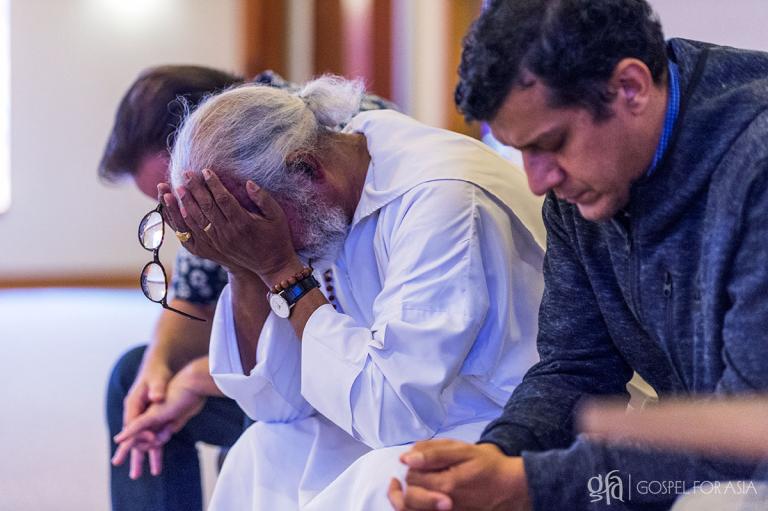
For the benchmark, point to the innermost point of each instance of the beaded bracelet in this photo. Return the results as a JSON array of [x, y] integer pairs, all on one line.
[[285, 284]]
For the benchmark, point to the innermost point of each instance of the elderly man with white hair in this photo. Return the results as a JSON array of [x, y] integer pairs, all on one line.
[[384, 286]]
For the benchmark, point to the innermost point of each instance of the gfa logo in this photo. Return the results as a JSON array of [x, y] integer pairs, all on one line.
[[609, 487]]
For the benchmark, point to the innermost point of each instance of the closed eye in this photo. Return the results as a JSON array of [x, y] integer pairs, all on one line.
[[548, 143]]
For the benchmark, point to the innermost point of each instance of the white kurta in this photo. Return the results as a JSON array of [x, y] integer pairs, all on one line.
[[439, 284]]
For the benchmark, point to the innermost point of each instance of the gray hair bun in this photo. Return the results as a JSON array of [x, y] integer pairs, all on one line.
[[334, 100]]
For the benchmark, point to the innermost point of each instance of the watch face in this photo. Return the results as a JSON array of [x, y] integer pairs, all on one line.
[[279, 305]]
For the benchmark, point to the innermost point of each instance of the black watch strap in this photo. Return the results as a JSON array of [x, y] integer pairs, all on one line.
[[294, 293]]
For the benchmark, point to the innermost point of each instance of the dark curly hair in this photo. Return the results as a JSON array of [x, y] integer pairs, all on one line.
[[151, 110], [572, 46]]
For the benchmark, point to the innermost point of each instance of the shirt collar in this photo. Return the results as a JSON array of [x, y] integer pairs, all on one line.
[[673, 107]]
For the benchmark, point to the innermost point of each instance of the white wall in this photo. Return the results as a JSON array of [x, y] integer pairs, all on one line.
[[739, 23], [418, 54], [73, 59], [301, 51], [71, 62], [5, 121]]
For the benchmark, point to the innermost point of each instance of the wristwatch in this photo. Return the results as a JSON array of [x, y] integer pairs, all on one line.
[[281, 303]]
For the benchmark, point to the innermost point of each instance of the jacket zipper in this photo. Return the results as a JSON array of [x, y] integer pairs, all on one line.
[[669, 328]]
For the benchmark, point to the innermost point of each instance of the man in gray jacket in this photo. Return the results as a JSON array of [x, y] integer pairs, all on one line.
[[654, 160]]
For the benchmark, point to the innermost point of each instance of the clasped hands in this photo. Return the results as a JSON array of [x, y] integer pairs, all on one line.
[[453, 475], [157, 406], [246, 236]]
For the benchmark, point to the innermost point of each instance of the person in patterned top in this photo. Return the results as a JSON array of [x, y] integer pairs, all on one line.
[[168, 380]]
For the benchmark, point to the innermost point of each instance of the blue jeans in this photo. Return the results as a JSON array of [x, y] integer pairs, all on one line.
[[179, 486]]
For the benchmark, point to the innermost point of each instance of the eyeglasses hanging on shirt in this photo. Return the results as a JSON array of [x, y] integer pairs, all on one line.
[[154, 282]]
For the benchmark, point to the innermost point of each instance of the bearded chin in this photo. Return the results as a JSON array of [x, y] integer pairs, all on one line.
[[326, 231]]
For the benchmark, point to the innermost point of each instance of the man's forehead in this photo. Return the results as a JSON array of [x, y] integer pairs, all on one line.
[[525, 115]]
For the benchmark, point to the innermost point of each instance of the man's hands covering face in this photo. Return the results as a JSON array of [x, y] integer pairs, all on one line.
[[448, 474], [224, 231]]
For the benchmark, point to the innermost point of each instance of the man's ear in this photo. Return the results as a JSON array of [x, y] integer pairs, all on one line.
[[633, 83], [164, 156], [307, 164]]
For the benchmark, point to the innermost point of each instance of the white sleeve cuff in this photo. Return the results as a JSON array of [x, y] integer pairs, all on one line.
[[270, 392]]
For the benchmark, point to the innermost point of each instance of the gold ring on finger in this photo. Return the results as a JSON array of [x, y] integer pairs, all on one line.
[[183, 236]]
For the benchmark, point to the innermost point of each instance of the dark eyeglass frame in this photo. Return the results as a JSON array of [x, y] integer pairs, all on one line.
[[156, 260]]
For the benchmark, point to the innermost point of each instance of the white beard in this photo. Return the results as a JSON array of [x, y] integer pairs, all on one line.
[[325, 226], [326, 231]]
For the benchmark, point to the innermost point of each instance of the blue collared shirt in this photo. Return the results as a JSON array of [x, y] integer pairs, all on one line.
[[673, 107]]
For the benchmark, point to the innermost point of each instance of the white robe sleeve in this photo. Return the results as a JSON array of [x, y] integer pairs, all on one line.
[[383, 383], [270, 392]]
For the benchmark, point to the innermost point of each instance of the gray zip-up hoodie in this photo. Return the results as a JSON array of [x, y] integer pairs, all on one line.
[[674, 287]]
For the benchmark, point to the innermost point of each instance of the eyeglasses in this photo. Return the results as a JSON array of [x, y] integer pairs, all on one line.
[[154, 282]]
